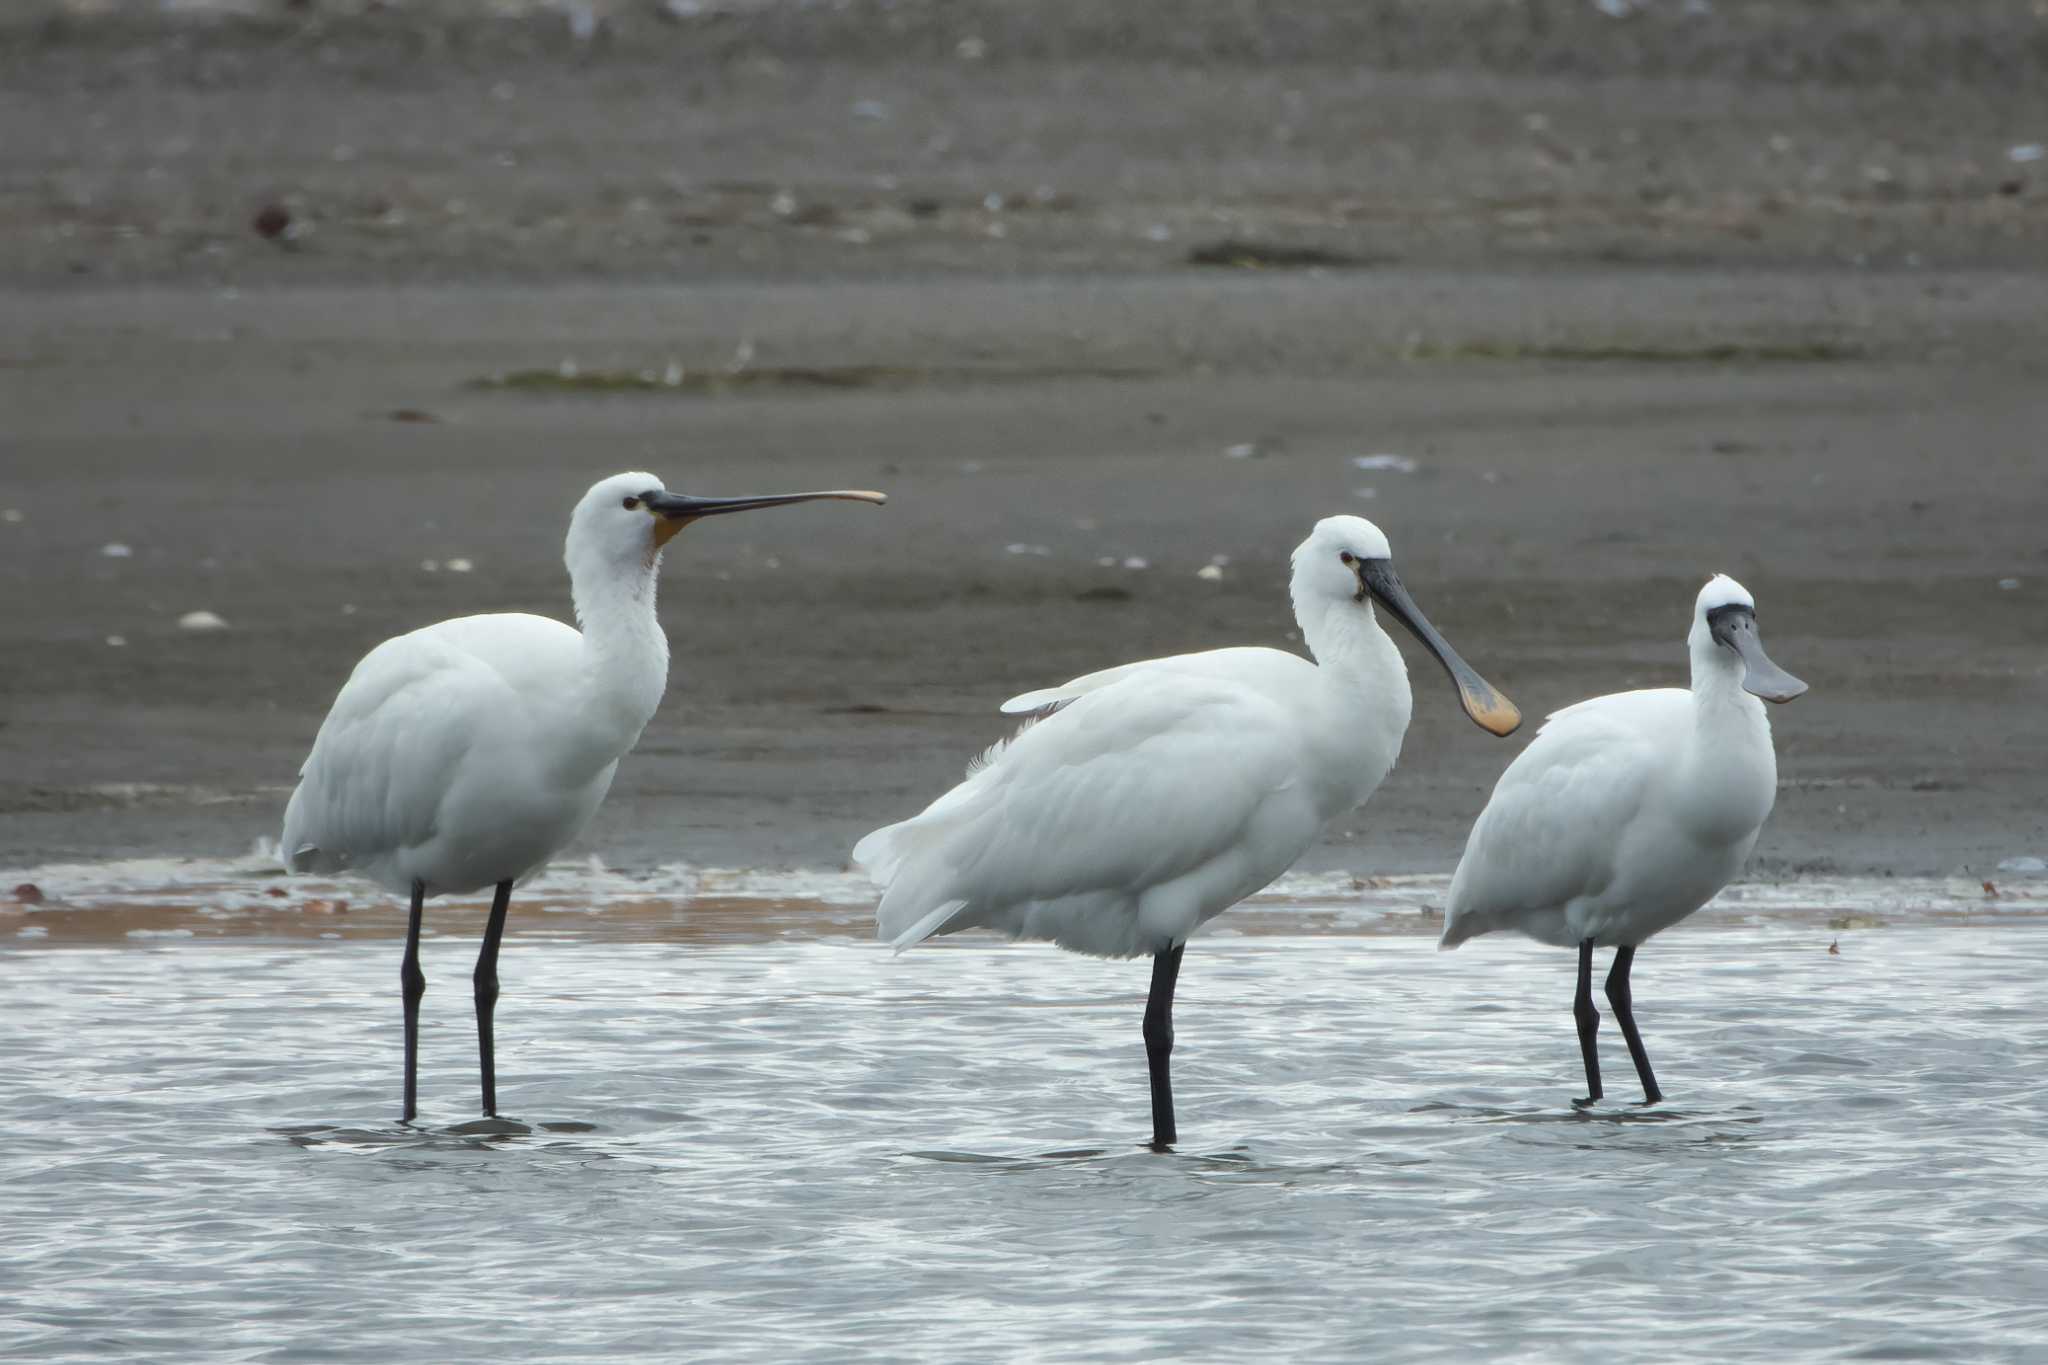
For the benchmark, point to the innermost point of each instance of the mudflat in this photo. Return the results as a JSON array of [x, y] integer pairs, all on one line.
[[1580, 309]]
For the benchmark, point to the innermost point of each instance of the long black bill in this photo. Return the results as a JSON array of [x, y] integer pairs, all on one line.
[[1490, 710], [683, 507], [678, 510], [1735, 627]]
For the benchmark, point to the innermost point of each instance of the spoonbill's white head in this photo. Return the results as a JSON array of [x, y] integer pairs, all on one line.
[[1722, 591], [613, 523], [1326, 564], [1349, 558], [1724, 635], [624, 521]]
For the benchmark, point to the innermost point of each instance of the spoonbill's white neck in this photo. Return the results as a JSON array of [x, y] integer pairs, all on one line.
[[1355, 656], [625, 652], [1344, 635]]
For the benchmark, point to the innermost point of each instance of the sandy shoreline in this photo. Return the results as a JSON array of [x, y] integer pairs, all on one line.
[[424, 142], [834, 668], [1626, 337]]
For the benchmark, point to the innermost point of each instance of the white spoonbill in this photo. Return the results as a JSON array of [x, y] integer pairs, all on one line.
[[1148, 799], [1628, 813], [467, 753]]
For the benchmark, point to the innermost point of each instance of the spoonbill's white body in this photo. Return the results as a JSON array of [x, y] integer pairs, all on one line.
[[1150, 798], [469, 752], [466, 754], [1629, 812]]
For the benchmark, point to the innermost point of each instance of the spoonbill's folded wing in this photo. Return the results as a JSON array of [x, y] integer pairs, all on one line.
[[1558, 817], [389, 751], [1226, 664], [1109, 825]]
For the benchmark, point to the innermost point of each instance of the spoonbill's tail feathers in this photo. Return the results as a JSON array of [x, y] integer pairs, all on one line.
[[926, 927], [911, 883], [297, 847], [315, 859], [909, 858], [909, 861], [1461, 927]]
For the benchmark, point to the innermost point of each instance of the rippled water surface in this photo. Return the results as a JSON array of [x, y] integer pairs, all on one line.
[[798, 1148]]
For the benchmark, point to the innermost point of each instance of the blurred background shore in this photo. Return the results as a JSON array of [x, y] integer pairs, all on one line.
[[315, 319], [689, 139]]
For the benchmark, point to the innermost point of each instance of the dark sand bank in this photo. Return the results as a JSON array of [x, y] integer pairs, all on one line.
[[1632, 295], [424, 142]]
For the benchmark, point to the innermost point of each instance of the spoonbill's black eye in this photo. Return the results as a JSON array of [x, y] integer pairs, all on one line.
[[630, 503], [1346, 557]]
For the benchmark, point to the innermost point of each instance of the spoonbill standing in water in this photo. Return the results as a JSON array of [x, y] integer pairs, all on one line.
[[1628, 813], [1147, 799], [466, 754]]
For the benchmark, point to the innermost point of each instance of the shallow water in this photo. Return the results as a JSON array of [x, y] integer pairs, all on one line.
[[802, 1147]]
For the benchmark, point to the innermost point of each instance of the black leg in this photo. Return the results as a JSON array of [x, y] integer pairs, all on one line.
[[1589, 1022], [1625, 1014], [413, 983], [1159, 1042], [487, 995]]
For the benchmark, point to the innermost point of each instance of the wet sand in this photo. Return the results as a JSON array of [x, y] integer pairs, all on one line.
[[1618, 365], [675, 906]]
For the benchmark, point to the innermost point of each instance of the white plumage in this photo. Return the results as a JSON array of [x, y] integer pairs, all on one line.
[[1129, 816], [1151, 797], [1629, 812], [467, 754]]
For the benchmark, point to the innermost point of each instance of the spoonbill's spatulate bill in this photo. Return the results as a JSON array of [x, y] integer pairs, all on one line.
[[466, 754], [1629, 812], [1152, 797]]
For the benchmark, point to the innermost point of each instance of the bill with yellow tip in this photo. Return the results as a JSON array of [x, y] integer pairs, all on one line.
[[1488, 707]]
